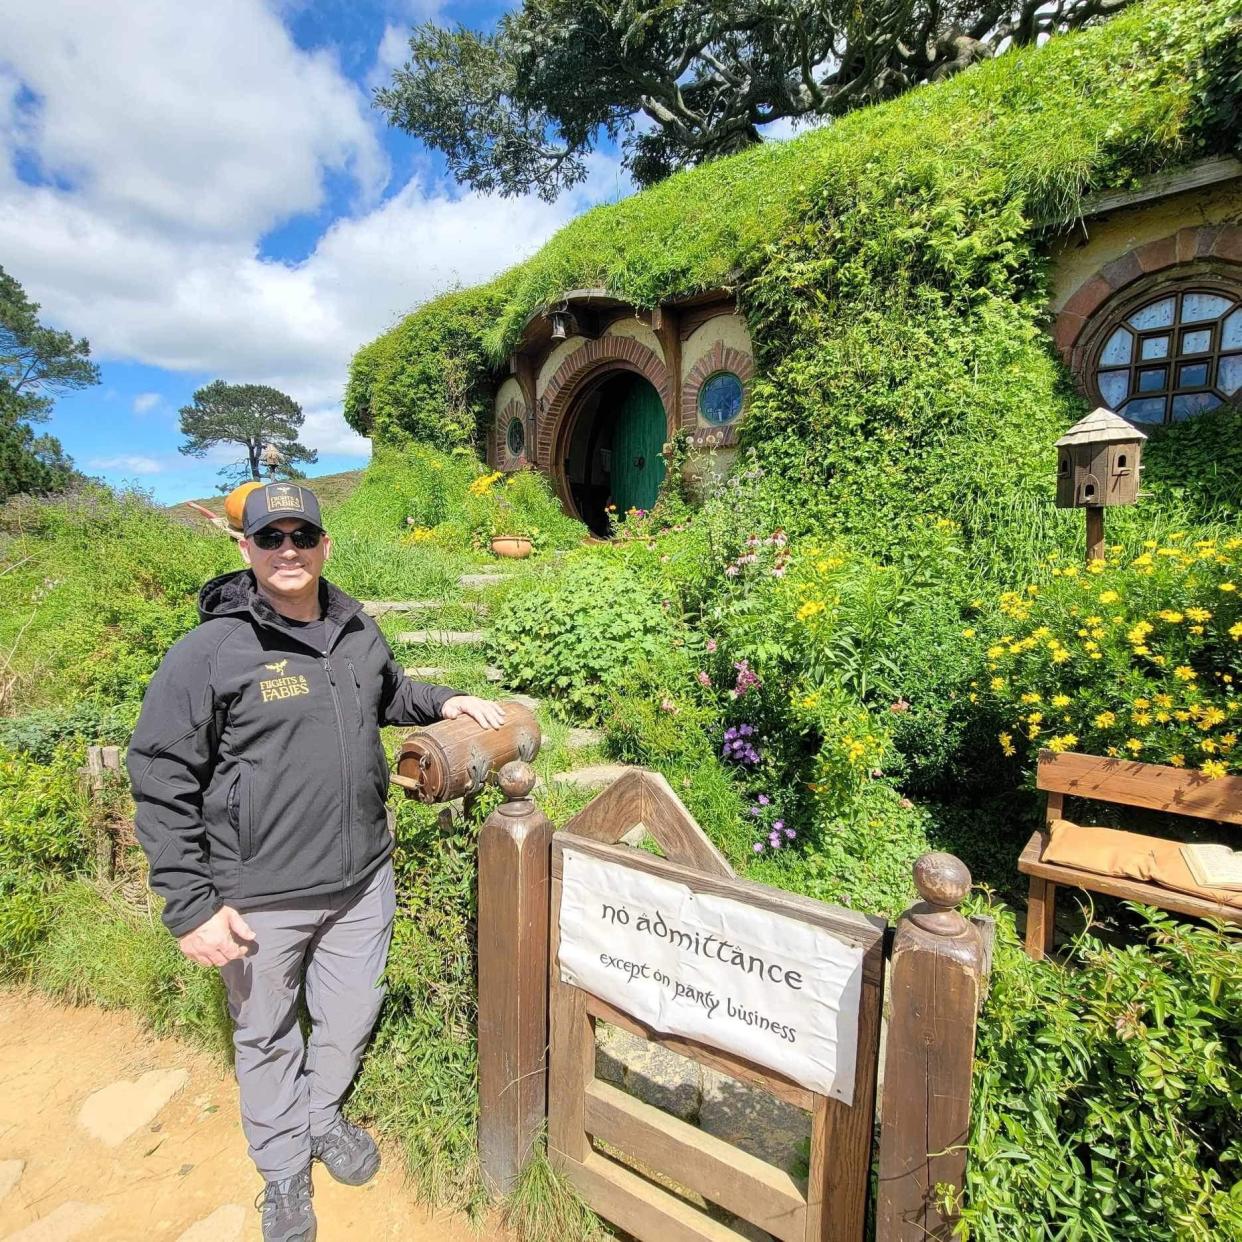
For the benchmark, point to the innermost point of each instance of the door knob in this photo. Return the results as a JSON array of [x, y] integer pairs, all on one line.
[[640, 462]]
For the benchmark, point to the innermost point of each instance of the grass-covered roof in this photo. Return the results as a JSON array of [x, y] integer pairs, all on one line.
[[888, 265]]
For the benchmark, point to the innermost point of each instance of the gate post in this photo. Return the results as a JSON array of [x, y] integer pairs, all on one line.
[[937, 978], [515, 851]]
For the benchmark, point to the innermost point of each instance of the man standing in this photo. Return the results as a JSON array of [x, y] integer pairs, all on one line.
[[261, 782]]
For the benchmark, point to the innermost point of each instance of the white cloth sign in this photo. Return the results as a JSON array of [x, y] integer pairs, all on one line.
[[773, 989]]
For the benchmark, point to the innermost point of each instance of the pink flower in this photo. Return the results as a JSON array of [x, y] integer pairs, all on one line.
[[711, 646], [667, 705], [905, 804], [899, 706], [731, 571], [779, 571], [704, 679]]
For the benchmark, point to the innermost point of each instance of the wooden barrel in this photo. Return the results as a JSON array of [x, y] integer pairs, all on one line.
[[452, 758]]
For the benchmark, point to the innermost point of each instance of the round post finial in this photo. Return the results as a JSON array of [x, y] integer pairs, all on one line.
[[942, 880], [516, 779]]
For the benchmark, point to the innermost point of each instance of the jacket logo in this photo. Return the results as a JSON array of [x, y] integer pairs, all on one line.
[[283, 687], [278, 667]]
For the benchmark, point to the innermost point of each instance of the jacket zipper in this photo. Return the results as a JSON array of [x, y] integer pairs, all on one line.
[[357, 687], [347, 804]]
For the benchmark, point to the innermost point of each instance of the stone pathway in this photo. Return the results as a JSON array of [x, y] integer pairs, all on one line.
[[108, 1134], [446, 638]]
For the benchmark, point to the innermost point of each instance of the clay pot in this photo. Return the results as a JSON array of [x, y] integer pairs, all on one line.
[[516, 546]]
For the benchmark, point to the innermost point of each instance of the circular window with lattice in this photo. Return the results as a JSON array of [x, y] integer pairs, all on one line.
[[515, 437], [1175, 355]]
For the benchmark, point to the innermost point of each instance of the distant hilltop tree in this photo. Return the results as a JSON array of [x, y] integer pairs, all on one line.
[[252, 416], [37, 364], [680, 83]]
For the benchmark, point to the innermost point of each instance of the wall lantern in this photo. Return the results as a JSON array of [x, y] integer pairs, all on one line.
[[1098, 466], [563, 324]]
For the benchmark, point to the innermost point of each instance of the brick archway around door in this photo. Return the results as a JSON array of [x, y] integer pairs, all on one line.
[[1221, 243], [580, 369]]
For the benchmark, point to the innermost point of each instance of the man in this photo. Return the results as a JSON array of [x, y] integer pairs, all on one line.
[[260, 782]]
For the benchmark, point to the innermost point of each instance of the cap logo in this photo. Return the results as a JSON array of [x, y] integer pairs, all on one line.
[[284, 496]]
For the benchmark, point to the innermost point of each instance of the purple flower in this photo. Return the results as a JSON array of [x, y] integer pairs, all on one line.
[[754, 810], [777, 825], [763, 799], [758, 847], [789, 832]]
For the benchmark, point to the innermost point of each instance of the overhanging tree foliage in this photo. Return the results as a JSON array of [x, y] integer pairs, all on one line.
[[36, 364], [680, 83], [251, 415]]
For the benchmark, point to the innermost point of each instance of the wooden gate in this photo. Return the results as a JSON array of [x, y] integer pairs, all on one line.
[[582, 1108], [537, 1040]]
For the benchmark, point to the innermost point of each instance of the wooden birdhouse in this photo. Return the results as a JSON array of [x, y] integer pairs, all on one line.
[[1098, 462]]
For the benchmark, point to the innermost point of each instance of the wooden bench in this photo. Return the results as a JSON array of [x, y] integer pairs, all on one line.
[[1125, 783]]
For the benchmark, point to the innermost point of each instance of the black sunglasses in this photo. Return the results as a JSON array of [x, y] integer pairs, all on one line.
[[304, 537]]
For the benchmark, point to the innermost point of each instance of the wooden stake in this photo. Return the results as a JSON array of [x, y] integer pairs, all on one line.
[[937, 975], [515, 854]]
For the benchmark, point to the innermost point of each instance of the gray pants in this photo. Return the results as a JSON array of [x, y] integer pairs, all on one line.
[[291, 1088]]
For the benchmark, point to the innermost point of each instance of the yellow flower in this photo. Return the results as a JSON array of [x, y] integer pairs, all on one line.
[[1196, 629], [1213, 768], [1163, 700], [1112, 752], [1105, 720], [1061, 700], [998, 683], [1163, 717], [1134, 745], [1178, 761], [1142, 718], [995, 652], [1109, 597], [1035, 717], [1169, 615], [1095, 567], [1183, 672], [1207, 746], [1064, 741], [1006, 741], [1030, 698], [1060, 655], [1235, 632], [810, 608], [1198, 614], [968, 633], [1228, 586]]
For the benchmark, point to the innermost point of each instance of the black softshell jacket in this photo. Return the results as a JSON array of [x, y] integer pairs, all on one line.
[[257, 765]]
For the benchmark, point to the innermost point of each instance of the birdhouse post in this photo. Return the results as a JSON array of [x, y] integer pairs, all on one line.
[[1098, 466]]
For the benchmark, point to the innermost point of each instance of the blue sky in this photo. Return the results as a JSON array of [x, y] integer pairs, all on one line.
[[204, 191]]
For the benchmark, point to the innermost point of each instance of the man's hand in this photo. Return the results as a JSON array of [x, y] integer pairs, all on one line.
[[482, 711], [225, 937]]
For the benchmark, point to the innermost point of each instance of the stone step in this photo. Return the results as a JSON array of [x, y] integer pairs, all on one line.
[[445, 638], [474, 582], [425, 672], [593, 776], [580, 738], [379, 607], [527, 701], [493, 674]]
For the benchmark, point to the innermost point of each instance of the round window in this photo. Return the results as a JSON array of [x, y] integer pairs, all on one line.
[[1173, 357], [515, 437], [720, 398]]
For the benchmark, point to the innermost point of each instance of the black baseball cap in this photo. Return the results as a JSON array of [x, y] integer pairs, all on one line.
[[274, 501]]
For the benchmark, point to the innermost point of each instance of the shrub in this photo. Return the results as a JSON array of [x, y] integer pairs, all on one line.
[[577, 636], [1136, 656], [1107, 1091]]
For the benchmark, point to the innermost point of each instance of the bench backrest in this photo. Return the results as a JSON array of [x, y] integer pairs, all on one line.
[[1129, 783]]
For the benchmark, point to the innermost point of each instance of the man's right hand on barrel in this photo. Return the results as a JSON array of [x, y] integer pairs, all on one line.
[[225, 937]]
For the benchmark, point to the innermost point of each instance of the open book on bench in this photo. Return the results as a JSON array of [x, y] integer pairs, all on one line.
[[1214, 866]]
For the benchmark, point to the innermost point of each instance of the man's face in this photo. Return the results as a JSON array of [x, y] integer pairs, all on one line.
[[288, 570]]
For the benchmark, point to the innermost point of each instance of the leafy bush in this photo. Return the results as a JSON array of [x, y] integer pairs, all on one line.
[[1107, 1091], [1138, 655], [39, 733], [578, 635]]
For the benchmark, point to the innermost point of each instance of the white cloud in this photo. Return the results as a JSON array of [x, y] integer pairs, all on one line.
[[175, 138], [145, 402], [194, 118], [128, 463]]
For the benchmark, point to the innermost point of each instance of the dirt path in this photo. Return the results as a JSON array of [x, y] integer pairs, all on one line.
[[108, 1134]]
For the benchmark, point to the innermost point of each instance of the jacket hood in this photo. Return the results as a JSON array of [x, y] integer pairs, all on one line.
[[237, 594]]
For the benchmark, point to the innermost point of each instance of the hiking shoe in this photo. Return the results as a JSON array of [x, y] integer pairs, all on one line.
[[286, 1207], [349, 1154]]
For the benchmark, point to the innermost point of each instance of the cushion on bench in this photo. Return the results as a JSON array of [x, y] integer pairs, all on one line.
[[1129, 855]]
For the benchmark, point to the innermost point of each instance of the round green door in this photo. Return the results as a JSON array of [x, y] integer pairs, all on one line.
[[637, 463]]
